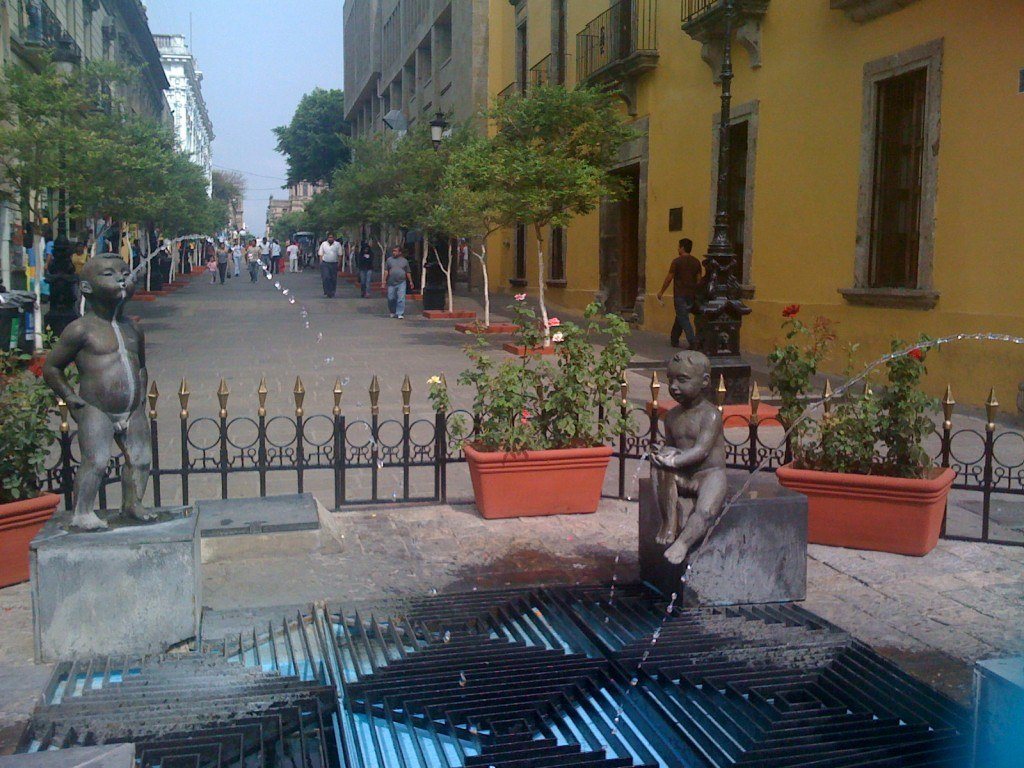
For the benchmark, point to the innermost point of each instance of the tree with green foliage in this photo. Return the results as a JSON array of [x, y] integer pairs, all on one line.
[[466, 200], [313, 143], [553, 150], [229, 187], [288, 224]]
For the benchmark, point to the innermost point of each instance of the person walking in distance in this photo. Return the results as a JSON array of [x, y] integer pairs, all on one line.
[[265, 253], [398, 278], [236, 257], [222, 261], [329, 253], [275, 257], [293, 256], [364, 263], [684, 276], [252, 260]]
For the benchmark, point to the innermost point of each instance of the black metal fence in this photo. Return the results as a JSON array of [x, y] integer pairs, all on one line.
[[363, 455]]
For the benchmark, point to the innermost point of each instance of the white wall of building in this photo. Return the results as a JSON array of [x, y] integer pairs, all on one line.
[[192, 124]]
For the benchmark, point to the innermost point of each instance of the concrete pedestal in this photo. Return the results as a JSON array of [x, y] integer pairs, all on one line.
[[756, 554], [107, 756], [999, 713], [131, 590], [253, 528]]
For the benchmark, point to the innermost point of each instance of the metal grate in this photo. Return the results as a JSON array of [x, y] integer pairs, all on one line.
[[519, 678], [193, 710]]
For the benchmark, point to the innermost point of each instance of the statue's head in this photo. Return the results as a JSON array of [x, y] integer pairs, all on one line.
[[105, 279], [689, 373]]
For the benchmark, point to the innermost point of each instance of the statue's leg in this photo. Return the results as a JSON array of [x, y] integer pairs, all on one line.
[[95, 439], [710, 498], [667, 495], [138, 458]]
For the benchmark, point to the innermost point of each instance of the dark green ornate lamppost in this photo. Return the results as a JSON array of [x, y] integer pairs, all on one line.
[[721, 309]]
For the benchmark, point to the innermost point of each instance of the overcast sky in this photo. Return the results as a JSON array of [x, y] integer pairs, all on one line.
[[258, 58]]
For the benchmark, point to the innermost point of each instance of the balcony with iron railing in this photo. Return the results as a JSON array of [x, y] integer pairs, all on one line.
[[512, 89], [37, 29], [619, 44], [704, 21]]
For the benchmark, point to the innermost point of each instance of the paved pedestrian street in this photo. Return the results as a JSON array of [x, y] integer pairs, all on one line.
[[934, 616]]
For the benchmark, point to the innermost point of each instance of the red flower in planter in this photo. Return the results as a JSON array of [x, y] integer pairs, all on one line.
[[525, 417], [791, 311], [554, 322], [916, 353], [36, 366]]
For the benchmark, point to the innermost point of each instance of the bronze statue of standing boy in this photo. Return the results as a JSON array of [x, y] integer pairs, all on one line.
[[110, 354]]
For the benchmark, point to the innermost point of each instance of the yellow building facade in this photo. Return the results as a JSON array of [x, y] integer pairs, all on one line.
[[878, 173]]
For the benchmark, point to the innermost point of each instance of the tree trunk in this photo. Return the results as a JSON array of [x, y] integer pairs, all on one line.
[[423, 261], [540, 285], [482, 258], [448, 278], [37, 276]]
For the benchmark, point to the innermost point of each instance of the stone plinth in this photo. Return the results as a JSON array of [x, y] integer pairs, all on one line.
[[107, 756], [999, 712], [131, 590], [756, 554], [253, 528]]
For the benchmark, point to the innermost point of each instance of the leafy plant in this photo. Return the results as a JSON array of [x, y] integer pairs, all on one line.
[[867, 433], [26, 426], [525, 403]]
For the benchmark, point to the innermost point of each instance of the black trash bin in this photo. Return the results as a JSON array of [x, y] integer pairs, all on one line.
[[16, 310]]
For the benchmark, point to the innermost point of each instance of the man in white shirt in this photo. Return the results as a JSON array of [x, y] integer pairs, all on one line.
[[329, 253], [236, 256], [275, 257], [293, 256], [265, 252]]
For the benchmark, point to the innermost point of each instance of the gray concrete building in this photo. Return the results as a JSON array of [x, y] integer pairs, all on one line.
[[406, 60]]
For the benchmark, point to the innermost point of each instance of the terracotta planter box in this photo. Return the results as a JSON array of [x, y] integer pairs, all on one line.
[[884, 514], [414, 297], [457, 314], [20, 521], [480, 328], [535, 483], [520, 351]]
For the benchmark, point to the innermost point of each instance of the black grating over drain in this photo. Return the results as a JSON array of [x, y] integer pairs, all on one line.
[[516, 678], [582, 676], [199, 711]]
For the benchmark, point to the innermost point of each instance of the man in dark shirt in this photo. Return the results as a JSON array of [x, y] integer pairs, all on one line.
[[684, 276]]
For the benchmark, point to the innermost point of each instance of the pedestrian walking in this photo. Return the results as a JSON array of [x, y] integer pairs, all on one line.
[[211, 268], [293, 256], [329, 253], [222, 261], [252, 260], [275, 257], [236, 257], [265, 253], [684, 276], [364, 263], [398, 279]]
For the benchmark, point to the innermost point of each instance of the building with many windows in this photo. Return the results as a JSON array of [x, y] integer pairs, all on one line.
[[875, 174], [192, 125], [299, 196]]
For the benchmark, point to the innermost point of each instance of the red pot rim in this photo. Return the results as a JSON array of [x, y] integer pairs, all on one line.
[[34, 504], [495, 457], [938, 479]]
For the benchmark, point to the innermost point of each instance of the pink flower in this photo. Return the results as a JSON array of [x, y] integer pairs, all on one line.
[[520, 297], [525, 417], [916, 354], [554, 322]]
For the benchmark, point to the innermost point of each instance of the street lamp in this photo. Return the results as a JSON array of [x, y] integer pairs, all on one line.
[[437, 128], [721, 308]]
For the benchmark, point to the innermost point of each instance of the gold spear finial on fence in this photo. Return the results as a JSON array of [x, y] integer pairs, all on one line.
[[63, 408], [655, 389], [153, 395], [755, 402], [406, 395], [720, 393], [222, 396], [624, 390], [991, 409], [338, 392], [183, 394], [827, 395], [374, 396], [300, 396], [947, 408], [261, 396]]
